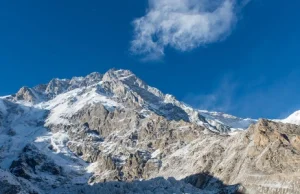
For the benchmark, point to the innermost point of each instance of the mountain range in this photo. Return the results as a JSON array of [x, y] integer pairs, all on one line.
[[113, 133]]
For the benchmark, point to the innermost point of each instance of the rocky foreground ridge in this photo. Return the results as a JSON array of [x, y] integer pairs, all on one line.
[[112, 133]]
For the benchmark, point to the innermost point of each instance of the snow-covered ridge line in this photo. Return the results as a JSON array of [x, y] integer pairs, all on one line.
[[120, 84], [45, 92]]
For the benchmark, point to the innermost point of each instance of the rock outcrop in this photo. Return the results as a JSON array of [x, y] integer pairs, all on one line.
[[10, 184], [263, 159]]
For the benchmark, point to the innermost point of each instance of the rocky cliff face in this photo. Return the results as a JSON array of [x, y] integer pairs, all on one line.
[[264, 159], [112, 130]]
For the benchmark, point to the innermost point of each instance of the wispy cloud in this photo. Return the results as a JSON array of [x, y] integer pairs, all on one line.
[[183, 25], [258, 97], [220, 98]]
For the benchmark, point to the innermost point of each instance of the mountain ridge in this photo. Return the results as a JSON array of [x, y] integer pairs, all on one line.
[[45, 92], [114, 127]]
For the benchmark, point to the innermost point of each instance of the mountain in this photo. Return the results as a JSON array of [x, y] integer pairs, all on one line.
[[293, 118], [113, 133], [124, 88]]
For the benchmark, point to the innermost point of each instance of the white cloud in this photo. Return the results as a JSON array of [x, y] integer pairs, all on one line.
[[182, 24]]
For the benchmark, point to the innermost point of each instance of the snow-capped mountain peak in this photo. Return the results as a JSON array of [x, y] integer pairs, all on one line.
[[115, 127], [293, 118], [124, 87]]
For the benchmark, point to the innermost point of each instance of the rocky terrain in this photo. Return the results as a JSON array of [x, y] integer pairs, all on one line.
[[112, 133]]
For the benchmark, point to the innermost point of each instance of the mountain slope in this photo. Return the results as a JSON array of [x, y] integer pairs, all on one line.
[[114, 127]]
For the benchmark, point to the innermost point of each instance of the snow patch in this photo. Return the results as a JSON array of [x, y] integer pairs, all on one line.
[[3, 108], [293, 118], [67, 104], [155, 153]]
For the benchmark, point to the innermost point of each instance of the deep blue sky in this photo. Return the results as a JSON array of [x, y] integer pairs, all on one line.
[[253, 73]]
